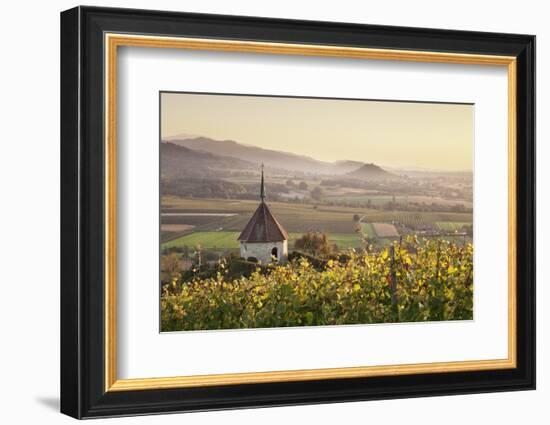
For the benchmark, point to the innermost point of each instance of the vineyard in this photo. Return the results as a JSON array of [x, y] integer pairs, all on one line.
[[411, 281]]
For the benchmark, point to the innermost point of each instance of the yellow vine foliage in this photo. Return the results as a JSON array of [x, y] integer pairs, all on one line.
[[432, 281]]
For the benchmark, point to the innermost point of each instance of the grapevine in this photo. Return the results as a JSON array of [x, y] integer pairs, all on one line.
[[434, 282]]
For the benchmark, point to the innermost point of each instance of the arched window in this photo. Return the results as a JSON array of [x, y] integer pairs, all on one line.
[[274, 253]]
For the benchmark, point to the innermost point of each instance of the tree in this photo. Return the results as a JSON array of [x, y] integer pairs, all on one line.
[[317, 193], [302, 186], [314, 243], [170, 267], [290, 183]]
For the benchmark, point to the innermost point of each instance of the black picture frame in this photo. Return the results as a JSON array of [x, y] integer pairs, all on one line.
[[83, 392]]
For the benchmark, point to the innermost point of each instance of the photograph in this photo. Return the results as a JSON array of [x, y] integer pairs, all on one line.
[[279, 211]]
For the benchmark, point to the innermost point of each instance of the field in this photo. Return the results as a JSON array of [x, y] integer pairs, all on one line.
[[385, 230], [295, 217], [218, 222], [228, 240], [176, 227], [380, 199]]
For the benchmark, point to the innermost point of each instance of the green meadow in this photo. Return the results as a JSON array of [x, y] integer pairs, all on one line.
[[228, 240]]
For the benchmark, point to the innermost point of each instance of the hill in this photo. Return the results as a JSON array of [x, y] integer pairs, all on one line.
[[178, 161], [346, 166], [371, 172]]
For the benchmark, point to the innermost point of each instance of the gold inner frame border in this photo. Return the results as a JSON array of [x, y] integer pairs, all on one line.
[[113, 40]]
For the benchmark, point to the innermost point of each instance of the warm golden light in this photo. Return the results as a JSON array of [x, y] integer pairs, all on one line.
[[395, 134]]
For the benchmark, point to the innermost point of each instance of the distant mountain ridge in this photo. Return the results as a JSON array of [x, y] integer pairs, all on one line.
[[180, 136], [270, 158], [178, 161], [254, 156]]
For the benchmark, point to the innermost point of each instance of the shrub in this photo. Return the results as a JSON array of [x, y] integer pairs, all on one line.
[[313, 243]]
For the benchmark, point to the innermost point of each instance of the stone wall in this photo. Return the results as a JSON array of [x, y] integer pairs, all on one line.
[[262, 251]]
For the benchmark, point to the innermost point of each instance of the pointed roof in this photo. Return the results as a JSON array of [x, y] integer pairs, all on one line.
[[263, 226]]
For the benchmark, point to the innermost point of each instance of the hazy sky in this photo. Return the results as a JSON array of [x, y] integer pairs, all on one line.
[[395, 134]]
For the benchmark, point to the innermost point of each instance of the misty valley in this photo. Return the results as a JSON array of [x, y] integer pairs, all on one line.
[[213, 186]]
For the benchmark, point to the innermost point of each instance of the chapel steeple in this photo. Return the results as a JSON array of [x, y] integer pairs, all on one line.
[[262, 186]]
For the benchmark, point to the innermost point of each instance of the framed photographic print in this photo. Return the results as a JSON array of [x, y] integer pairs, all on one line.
[[261, 212]]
